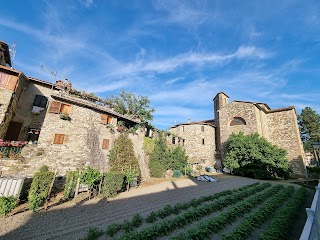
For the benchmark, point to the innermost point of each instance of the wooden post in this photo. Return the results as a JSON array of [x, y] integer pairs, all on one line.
[[49, 192], [78, 185], [100, 184]]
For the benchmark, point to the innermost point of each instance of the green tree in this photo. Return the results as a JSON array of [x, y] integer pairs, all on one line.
[[129, 104], [122, 156], [253, 156], [162, 157], [309, 124]]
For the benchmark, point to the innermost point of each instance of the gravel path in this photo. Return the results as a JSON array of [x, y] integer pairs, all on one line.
[[71, 221]]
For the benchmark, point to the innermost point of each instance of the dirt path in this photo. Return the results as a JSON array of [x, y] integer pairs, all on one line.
[[71, 221]]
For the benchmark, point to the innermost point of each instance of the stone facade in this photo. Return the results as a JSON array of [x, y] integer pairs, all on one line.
[[279, 126], [83, 139], [198, 140]]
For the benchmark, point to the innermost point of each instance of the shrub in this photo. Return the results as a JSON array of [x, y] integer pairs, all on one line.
[[112, 183], [122, 156], [71, 182], [7, 204], [253, 156], [156, 168], [39, 189], [177, 173], [90, 177], [44, 168]]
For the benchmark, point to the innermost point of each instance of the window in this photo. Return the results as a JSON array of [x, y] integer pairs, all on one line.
[[173, 140], [106, 119], [58, 138], [59, 107], [183, 142], [105, 144], [182, 128], [237, 121], [40, 101], [202, 141], [202, 128], [4, 78]]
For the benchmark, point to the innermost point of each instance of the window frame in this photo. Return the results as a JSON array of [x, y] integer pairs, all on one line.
[[42, 102], [105, 144], [59, 106], [59, 138]]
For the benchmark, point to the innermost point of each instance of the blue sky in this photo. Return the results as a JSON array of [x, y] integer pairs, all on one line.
[[178, 53]]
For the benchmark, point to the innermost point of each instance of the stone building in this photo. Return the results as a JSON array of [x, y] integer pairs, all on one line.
[[279, 126], [65, 129]]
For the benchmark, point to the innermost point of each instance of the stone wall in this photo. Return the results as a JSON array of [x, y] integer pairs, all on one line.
[[197, 150], [242, 110], [284, 132], [6, 111], [82, 144], [24, 114]]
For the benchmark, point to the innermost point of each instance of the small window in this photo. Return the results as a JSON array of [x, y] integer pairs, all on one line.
[[105, 144], [202, 128], [183, 141], [173, 140], [58, 138], [106, 119], [40, 101], [59, 107], [202, 141], [4, 78], [237, 121], [182, 128]]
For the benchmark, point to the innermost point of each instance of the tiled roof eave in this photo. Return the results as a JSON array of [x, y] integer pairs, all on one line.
[[93, 106]]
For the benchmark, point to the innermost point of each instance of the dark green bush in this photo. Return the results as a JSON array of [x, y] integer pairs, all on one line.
[[177, 173], [7, 204], [156, 168], [313, 169], [71, 182], [39, 189], [44, 168], [112, 184]]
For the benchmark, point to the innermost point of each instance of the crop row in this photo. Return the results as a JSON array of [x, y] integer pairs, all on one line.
[[281, 223], [176, 209], [137, 220], [165, 227], [216, 224], [258, 217]]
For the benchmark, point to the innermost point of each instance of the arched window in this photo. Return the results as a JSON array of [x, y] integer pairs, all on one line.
[[237, 121]]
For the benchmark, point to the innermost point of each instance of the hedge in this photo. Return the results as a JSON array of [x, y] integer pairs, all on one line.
[[7, 204], [39, 189], [112, 183]]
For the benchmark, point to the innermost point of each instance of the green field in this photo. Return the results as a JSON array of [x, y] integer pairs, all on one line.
[[256, 211]]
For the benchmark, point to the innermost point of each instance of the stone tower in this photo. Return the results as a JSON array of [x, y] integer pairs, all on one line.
[[219, 102]]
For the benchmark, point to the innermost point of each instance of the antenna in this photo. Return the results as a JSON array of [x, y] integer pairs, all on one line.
[[53, 73], [12, 50]]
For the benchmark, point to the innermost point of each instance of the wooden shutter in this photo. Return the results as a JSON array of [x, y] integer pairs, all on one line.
[[109, 120], [105, 144], [104, 118], [65, 108], [58, 138], [55, 107], [12, 83], [4, 79]]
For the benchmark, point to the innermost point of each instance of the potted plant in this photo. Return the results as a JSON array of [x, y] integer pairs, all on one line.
[[65, 116]]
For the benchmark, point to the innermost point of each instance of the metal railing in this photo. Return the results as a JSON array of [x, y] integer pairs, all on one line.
[[311, 230]]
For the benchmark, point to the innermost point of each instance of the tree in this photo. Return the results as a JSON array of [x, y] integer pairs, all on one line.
[[253, 156], [309, 124], [122, 156], [129, 104], [162, 157]]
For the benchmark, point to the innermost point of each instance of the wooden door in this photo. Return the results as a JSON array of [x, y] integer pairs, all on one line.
[[13, 131]]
